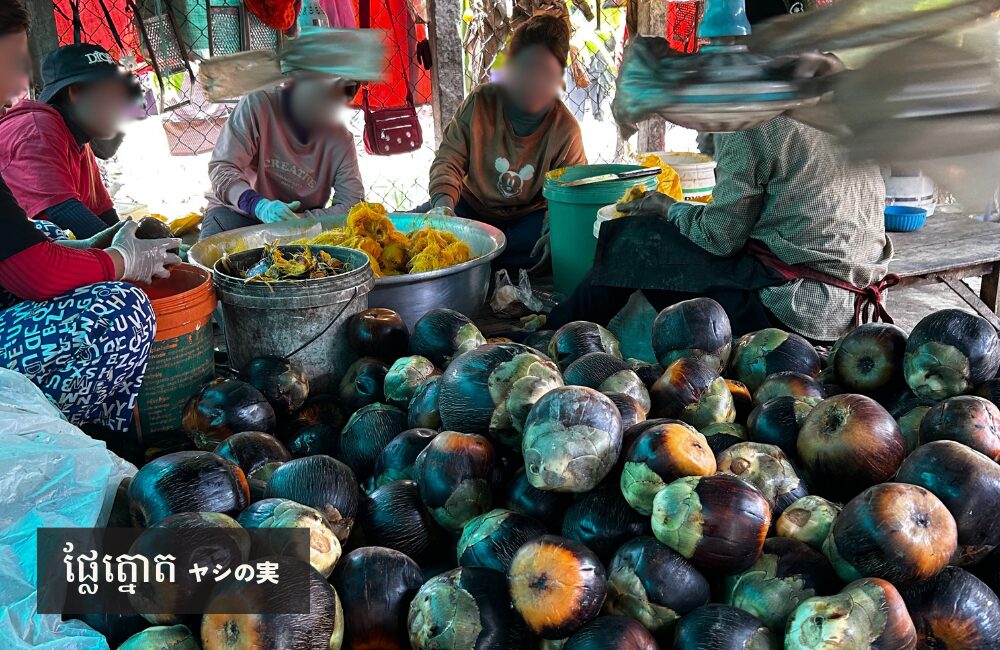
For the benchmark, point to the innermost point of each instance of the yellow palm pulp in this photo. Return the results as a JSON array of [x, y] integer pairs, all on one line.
[[391, 252], [667, 181], [180, 225]]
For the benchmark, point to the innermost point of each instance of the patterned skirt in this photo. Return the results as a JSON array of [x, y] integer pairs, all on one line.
[[86, 349]]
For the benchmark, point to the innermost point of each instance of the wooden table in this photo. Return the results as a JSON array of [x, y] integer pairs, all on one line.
[[950, 249]]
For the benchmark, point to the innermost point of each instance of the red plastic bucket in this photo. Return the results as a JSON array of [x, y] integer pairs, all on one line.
[[182, 356]]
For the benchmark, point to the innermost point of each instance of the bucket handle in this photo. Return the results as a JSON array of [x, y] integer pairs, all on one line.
[[321, 332]]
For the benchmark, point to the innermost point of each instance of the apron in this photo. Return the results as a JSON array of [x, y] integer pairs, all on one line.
[[651, 254], [869, 302]]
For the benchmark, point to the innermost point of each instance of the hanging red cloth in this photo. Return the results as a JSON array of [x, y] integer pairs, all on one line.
[[402, 68], [869, 302], [279, 15], [94, 26]]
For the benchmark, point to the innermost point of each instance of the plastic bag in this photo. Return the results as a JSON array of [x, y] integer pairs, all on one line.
[[515, 300], [53, 475], [633, 326]]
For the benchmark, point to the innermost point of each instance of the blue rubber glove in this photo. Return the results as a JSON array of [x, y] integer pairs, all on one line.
[[270, 211]]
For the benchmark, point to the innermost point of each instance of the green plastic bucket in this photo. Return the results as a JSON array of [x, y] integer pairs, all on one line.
[[572, 211]]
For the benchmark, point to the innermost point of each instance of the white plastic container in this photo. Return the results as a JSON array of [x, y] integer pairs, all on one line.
[[908, 187], [607, 213], [696, 172]]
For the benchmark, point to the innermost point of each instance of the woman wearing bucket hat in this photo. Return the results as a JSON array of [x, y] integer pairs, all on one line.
[[67, 322], [281, 155], [45, 151], [794, 237], [507, 136]]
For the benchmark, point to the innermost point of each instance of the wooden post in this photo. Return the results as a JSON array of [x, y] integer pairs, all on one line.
[[447, 76], [42, 37], [652, 22], [990, 288]]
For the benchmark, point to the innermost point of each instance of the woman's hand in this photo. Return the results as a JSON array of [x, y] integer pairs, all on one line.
[[442, 211], [444, 201], [653, 204], [104, 238], [143, 259], [270, 211]]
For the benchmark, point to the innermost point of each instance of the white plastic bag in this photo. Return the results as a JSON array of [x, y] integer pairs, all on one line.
[[51, 475], [515, 300]]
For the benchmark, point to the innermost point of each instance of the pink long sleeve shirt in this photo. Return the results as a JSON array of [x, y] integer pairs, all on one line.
[[257, 150]]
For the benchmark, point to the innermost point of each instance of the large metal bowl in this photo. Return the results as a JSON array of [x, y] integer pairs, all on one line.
[[462, 287]]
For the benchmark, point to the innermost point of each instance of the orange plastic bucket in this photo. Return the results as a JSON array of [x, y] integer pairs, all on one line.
[[182, 356]]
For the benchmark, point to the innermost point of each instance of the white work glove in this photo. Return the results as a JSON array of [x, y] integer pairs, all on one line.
[[270, 211], [104, 238], [654, 204], [144, 259]]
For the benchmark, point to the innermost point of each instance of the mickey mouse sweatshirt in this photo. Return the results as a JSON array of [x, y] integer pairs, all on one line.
[[499, 173]]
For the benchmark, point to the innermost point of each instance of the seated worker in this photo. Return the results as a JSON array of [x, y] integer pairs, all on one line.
[[280, 154], [67, 321], [45, 153], [507, 136], [794, 236]]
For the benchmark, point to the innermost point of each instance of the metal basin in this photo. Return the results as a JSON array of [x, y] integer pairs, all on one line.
[[462, 287]]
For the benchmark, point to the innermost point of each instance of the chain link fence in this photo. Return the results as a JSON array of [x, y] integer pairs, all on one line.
[[163, 160]]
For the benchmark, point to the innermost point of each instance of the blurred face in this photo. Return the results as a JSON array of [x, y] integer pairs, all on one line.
[[533, 79], [101, 107], [318, 102], [15, 67]]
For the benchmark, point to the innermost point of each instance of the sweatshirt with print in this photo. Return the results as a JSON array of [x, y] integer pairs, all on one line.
[[257, 150], [499, 173]]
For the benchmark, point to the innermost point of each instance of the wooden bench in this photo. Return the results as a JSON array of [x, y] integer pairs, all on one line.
[[950, 249]]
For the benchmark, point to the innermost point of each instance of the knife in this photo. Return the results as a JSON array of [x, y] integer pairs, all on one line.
[[620, 176]]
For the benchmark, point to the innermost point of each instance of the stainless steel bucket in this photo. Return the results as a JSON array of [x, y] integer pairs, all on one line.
[[462, 287]]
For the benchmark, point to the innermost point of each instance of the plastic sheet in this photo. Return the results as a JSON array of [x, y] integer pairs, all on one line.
[[863, 23], [932, 104], [53, 475], [633, 326]]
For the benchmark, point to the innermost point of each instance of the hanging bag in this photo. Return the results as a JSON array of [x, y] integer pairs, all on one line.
[[389, 131]]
